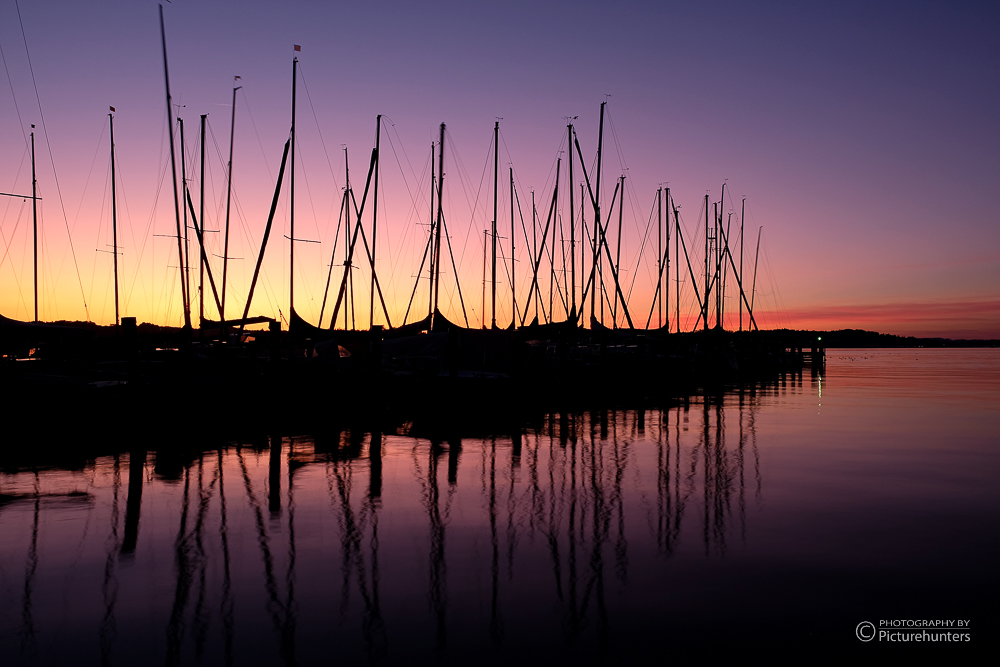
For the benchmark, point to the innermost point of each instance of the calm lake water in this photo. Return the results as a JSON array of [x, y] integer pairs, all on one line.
[[776, 520]]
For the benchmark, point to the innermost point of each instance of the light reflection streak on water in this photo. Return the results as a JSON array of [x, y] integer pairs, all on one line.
[[562, 492]]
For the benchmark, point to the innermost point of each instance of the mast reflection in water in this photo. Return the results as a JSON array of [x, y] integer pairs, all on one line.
[[587, 536]]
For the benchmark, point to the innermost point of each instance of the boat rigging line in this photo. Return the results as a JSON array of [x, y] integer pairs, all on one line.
[[52, 162]]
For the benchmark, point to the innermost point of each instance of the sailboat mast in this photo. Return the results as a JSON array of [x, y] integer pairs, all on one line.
[[572, 213], [482, 316], [534, 250], [753, 288], [496, 175], [201, 216], [732, 265], [114, 218], [720, 286], [726, 255], [677, 260], [715, 271], [552, 273], [583, 246], [618, 253], [187, 243], [440, 221], [333, 258], [666, 259], [557, 219], [659, 256], [430, 241], [513, 290], [173, 175], [371, 304], [347, 237], [229, 198], [564, 297], [34, 221], [743, 212], [597, 216], [291, 201], [704, 308], [350, 260]]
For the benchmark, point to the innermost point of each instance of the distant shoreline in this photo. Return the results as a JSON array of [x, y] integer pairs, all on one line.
[[855, 338], [848, 338]]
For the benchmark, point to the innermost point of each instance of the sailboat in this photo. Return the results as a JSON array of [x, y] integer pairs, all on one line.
[[17, 338], [299, 328]]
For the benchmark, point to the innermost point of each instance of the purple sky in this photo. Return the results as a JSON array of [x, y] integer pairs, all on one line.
[[864, 138]]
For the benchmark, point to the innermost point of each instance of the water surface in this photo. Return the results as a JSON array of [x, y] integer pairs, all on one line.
[[771, 518]]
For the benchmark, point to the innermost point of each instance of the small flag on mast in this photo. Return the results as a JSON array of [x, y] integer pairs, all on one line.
[[112, 109], [298, 48], [237, 78]]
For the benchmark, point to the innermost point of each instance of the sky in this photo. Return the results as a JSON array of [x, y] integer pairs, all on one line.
[[862, 136]]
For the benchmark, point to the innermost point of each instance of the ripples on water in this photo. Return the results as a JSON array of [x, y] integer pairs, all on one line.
[[779, 517]]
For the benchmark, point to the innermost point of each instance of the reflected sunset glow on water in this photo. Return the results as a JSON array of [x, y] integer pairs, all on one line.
[[817, 502]]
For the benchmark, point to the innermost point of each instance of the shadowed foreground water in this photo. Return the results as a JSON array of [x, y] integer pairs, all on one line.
[[775, 519]]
